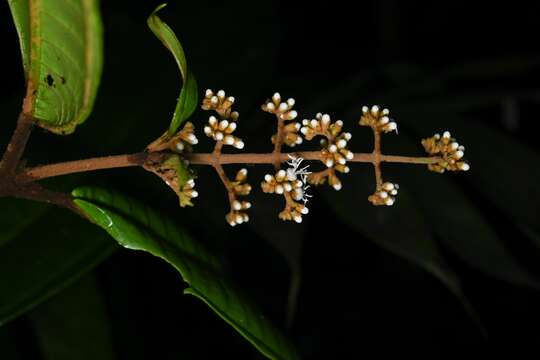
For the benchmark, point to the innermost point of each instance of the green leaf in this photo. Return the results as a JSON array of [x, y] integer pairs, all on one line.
[[50, 254], [73, 324], [188, 100], [400, 229], [62, 51], [138, 227]]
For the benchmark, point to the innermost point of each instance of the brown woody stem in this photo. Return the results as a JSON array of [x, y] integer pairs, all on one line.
[[279, 142], [77, 166], [17, 144], [377, 157], [212, 159]]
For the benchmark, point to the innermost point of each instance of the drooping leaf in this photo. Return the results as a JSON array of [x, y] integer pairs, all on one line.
[[400, 229], [61, 45], [458, 223], [138, 227], [45, 258], [188, 100], [497, 161], [73, 324]]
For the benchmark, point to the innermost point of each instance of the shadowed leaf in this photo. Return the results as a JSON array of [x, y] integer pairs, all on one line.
[[73, 324], [46, 258], [400, 229]]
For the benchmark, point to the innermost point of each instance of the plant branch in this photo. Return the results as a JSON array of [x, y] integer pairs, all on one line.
[[377, 156], [138, 159], [17, 144], [279, 142], [268, 158], [78, 166]]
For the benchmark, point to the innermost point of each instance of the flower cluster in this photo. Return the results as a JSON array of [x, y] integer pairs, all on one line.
[[188, 192], [239, 187], [377, 119], [334, 152], [223, 128], [185, 138], [293, 188], [449, 151], [385, 195], [284, 111], [180, 142]]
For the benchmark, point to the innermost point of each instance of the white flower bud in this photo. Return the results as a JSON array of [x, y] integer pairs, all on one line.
[[239, 144], [223, 124], [221, 94], [276, 97], [326, 119], [291, 115], [228, 140]]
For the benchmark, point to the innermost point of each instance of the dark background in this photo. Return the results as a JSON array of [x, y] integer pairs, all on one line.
[[469, 60]]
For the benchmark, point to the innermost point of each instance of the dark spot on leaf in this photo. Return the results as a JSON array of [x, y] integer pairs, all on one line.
[[50, 80], [62, 79]]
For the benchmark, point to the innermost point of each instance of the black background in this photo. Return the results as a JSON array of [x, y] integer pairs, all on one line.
[[356, 298]]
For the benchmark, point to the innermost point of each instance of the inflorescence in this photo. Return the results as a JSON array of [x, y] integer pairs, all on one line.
[[293, 181]]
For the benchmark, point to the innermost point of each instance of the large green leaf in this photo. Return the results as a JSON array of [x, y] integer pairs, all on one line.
[[188, 100], [400, 229], [46, 257], [61, 45], [73, 324], [136, 226]]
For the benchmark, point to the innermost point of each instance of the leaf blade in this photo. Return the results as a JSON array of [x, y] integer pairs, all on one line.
[[62, 50], [188, 99], [138, 227], [61, 260]]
